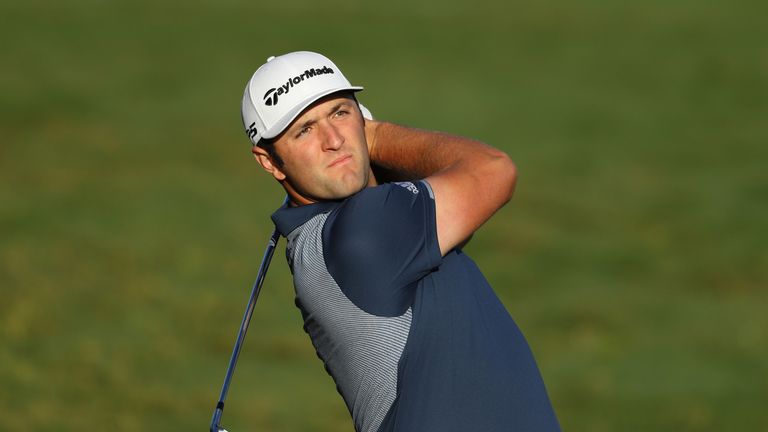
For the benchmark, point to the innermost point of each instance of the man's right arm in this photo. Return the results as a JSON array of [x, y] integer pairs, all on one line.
[[470, 180]]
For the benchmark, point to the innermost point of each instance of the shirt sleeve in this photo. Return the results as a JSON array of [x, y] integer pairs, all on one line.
[[380, 242]]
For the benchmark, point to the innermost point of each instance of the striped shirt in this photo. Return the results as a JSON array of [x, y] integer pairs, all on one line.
[[414, 341]]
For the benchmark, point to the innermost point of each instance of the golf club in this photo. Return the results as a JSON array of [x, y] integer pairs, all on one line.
[[215, 426]]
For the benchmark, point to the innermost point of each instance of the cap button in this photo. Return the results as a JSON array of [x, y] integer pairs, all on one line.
[[270, 59]]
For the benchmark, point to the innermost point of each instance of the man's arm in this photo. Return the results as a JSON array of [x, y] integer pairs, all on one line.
[[470, 180]]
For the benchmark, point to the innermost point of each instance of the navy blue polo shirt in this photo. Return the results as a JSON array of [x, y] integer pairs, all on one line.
[[414, 341]]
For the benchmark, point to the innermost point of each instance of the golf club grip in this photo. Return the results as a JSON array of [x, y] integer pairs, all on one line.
[[265, 261], [217, 418]]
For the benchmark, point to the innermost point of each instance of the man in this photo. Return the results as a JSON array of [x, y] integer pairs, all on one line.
[[405, 323]]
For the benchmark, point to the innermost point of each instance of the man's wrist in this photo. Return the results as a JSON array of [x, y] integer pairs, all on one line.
[[371, 128]]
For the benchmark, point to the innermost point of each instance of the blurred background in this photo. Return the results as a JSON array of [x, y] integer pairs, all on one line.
[[133, 218]]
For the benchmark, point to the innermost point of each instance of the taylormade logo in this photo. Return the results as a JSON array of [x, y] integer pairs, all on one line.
[[272, 95], [251, 131]]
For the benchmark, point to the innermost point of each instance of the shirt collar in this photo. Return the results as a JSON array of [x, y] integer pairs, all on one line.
[[287, 218]]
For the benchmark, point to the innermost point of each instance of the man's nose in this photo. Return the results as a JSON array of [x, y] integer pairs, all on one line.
[[332, 138]]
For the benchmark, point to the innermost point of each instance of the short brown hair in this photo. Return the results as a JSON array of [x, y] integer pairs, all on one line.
[[269, 146]]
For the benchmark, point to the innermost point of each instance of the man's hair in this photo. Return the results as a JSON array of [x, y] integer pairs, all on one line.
[[269, 146]]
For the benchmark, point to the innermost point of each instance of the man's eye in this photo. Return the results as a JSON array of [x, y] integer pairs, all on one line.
[[302, 131], [341, 113]]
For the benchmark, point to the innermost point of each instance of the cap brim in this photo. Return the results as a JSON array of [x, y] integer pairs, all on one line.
[[291, 115]]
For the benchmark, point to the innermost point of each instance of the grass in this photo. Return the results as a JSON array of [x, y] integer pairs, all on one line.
[[133, 218]]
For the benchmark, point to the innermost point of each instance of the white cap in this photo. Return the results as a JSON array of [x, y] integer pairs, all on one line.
[[283, 87]]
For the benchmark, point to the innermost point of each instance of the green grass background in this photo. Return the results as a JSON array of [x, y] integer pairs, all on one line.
[[133, 219]]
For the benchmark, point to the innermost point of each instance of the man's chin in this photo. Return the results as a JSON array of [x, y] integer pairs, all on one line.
[[343, 193]]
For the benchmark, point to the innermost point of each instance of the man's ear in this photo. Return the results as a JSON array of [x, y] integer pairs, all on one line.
[[266, 162]]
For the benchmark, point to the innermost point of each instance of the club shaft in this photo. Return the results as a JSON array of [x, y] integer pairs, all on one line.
[[244, 328]]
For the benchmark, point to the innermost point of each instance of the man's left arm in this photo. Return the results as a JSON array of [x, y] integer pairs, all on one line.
[[470, 180]]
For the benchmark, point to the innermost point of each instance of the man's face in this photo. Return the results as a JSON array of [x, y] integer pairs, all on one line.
[[324, 152]]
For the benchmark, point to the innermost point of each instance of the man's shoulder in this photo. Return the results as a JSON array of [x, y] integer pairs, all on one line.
[[377, 205], [388, 193], [380, 218], [377, 243], [414, 187]]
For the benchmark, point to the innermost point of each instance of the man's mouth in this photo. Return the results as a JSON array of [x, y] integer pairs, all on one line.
[[340, 161]]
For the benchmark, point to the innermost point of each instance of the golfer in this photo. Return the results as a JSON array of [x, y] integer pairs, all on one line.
[[404, 321]]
